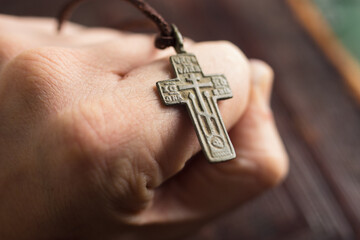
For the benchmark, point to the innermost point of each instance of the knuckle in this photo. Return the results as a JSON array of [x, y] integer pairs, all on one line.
[[263, 66], [236, 68], [38, 75], [262, 73], [231, 52], [273, 170], [37, 69], [266, 171]]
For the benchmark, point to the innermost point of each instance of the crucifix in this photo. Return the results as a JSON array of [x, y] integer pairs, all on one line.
[[190, 87], [200, 94]]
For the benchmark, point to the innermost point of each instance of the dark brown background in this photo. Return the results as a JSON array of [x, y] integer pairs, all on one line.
[[317, 117]]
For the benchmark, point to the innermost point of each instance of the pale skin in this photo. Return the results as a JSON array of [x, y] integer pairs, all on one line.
[[88, 150]]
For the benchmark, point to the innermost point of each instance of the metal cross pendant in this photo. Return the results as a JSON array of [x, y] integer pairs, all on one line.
[[200, 94]]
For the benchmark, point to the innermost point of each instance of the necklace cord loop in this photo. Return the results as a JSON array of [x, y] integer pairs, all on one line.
[[179, 41], [166, 38]]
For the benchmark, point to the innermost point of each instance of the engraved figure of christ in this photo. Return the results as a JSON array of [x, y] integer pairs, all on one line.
[[200, 94]]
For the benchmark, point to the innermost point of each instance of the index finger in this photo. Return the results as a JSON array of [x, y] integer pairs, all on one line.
[[166, 134], [18, 34]]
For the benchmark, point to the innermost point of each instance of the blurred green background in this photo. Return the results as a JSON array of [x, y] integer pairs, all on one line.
[[344, 18]]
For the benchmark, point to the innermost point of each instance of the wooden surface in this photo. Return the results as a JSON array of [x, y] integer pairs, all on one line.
[[330, 27], [317, 117]]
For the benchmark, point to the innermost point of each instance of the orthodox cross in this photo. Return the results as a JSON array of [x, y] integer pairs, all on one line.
[[200, 94], [191, 87]]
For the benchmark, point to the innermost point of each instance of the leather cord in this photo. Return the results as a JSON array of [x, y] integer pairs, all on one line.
[[165, 39]]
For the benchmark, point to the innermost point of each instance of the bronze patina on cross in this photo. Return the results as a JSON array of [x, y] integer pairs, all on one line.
[[200, 94]]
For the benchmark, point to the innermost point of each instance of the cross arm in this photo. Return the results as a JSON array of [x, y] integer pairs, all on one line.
[[221, 87], [169, 92]]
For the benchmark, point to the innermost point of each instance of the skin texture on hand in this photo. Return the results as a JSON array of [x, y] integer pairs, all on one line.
[[88, 151]]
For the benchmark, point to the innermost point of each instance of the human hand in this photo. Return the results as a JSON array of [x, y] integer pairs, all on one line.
[[88, 151]]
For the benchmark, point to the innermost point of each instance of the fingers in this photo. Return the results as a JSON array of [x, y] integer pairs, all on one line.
[[19, 34], [112, 50], [262, 77], [107, 50], [121, 53], [259, 141], [9, 23], [206, 190], [27, 32], [166, 133]]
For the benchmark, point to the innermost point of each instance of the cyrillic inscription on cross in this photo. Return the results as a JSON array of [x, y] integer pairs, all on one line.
[[200, 94]]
